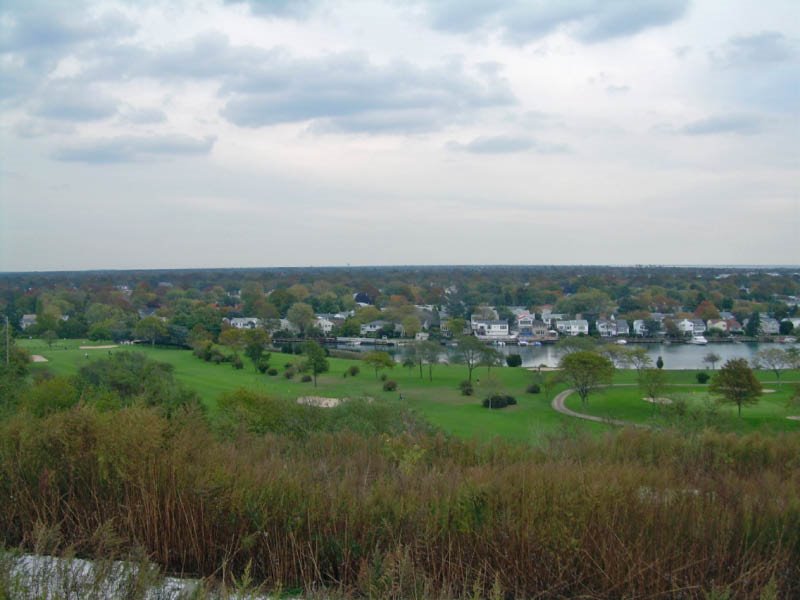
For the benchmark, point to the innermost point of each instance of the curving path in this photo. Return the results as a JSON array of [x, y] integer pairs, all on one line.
[[559, 405]]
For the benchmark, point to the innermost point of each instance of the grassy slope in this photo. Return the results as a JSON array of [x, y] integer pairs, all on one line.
[[439, 401]]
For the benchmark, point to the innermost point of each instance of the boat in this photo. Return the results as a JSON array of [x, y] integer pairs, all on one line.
[[537, 343], [698, 340], [622, 342], [522, 343]]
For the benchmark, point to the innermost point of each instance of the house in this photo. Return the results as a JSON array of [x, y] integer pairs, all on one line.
[[27, 321], [373, 326], [734, 326], [699, 326], [245, 322], [639, 328], [769, 326], [718, 325], [606, 327], [573, 327], [324, 323], [525, 323], [490, 328], [622, 327], [421, 336], [685, 326]]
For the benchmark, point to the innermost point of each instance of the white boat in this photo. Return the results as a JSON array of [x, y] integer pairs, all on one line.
[[622, 342], [522, 343], [699, 340]]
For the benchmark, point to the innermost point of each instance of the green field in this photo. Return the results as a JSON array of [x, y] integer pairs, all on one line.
[[440, 401]]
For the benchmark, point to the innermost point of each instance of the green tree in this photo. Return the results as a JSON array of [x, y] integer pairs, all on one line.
[[315, 359], [232, 338], [586, 371], [712, 358], [255, 343], [430, 354], [150, 328], [653, 382], [490, 357], [302, 316], [411, 325], [736, 383], [569, 344], [49, 337], [378, 360], [660, 363], [774, 359], [469, 352], [753, 324], [638, 358]]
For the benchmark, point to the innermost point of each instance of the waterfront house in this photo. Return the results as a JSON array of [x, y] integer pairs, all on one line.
[[622, 327], [573, 327], [244, 322], [606, 327], [27, 321], [490, 328]]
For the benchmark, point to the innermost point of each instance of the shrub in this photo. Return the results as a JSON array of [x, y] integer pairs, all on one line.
[[466, 388], [288, 365], [289, 373], [499, 401], [305, 378], [533, 388], [353, 370], [236, 362], [263, 365], [272, 372], [384, 376], [389, 385], [514, 360], [703, 377], [287, 349]]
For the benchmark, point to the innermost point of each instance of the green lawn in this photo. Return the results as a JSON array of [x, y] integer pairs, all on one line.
[[439, 401], [627, 403]]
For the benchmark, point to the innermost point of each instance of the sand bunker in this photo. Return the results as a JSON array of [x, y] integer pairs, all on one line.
[[98, 347], [657, 400], [794, 417], [319, 401], [38, 358], [768, 391]]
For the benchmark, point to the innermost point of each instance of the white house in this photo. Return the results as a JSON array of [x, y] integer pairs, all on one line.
[[622, 327], [769, 326], [639, 328], [717, 325], [245, 322], [699, 326], [27, 321], [573, 327], [490, 328], [606, 327], [324, 324], [685, 326], [373, 326]]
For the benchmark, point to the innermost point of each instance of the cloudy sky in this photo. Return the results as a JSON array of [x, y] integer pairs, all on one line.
[[235, 133]]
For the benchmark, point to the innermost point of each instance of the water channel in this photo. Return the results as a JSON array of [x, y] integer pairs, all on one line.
[[675, 356]]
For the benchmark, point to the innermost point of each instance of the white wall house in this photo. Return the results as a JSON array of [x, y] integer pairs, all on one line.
[[373, 327], [685, 326], [606, 327], [717, 325], [324, 324], [245, 322], [622, 327], [573, 327], [27, 321], [639, 328], [769, 326], [490, 328]]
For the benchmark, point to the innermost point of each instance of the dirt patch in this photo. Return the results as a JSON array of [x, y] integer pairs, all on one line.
[[38, 358], [97, 347], [319, 401], [794, 417], [543, 369], [658, 400], [768, 391]]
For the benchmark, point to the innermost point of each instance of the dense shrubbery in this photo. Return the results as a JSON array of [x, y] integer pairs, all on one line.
[[702, 377], [514, 360], [466, 388], [389, 385], [353, 370], [499, 401], [533, 388]]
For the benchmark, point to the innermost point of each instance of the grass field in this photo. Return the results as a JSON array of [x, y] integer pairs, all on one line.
[[440, 401]]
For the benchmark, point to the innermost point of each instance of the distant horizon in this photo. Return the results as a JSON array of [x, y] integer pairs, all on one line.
[[759, 267]]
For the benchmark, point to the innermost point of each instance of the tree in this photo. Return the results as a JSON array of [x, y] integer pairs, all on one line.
[[469, 353], [411, 326], [639, 359], [232, 338], [255, 341], [456, 327], [49, 337], [586, 371], [302, 316], [653, 382], [711, 359], [660, 362], [490, 357], [773, 359], [378, 360], [315, 359], [430, 354], [736, 383], [753, 325], [786, 327], [150, 328], [571, 344]]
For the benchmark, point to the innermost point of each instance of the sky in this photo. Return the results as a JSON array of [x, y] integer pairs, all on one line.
[[259, 133]]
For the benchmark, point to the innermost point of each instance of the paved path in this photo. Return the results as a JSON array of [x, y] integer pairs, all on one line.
[[559, 405]]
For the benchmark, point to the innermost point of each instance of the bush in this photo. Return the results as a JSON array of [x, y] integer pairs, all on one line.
[[288, 365], [287, 349], [353, 370], [514, 360], [499, 401], [466, 388], [272, 372], [384, 376], [237, 362], [389, 385], [305, 378], [702, 377], [263, 365], [533, 388], [289, 373]]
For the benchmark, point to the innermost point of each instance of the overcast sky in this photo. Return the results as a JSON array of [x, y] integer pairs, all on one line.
[[194, 133]]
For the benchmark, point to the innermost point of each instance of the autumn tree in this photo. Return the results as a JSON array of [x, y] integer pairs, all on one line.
[[150, 328], [774, 359], [736, 383], [712, 358], [378, 360], [586, 371], [302, 316]]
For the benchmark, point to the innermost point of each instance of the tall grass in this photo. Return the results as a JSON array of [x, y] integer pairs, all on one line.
[[410, 514]]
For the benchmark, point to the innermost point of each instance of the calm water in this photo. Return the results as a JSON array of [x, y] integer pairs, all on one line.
[[675, 356]]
